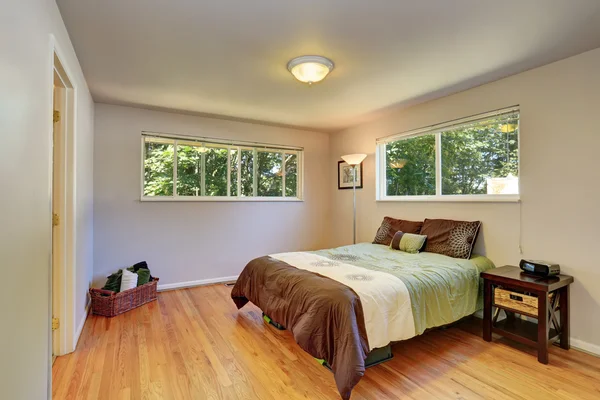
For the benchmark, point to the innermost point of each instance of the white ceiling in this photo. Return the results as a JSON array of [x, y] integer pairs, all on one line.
[[228, 57]]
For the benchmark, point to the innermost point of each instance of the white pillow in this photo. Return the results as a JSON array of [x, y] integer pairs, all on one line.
[[129, 280]]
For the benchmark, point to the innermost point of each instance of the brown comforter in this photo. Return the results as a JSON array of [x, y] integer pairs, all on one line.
[[325, 316]]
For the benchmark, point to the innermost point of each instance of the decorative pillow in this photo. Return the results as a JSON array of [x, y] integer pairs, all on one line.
[[408, 242], [143, 276], [451, 238], [113, 282], [129, 280], [390, 226]]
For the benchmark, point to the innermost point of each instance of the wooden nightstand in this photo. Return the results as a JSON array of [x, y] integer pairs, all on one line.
[[515, 289]]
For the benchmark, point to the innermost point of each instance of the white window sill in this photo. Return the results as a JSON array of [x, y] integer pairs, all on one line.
[[219, 199], [484, 198]]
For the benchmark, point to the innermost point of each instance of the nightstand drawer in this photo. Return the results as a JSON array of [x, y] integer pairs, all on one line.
[[524, 302]]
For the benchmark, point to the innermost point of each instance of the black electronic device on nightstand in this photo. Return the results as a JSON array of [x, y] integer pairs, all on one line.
[[540, 268]]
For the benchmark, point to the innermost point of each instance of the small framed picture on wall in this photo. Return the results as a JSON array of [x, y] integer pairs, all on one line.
[[346, 175]]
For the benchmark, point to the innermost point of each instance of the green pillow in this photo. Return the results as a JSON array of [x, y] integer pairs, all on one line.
[[408, 242], [143, 276], [113, 283]]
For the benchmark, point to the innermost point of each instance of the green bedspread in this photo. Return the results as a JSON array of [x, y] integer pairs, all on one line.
[[442, 289]]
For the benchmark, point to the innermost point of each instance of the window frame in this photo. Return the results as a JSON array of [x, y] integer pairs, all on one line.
[[238, 145], [437, 130]]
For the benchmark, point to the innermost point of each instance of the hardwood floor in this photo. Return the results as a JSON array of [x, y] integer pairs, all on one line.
[[194, 344]]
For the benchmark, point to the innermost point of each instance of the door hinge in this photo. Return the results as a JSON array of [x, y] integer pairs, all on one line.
[[55, 219], [55, 324], [56, 116]]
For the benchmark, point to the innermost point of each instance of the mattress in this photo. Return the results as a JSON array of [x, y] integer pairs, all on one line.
[[402, 294]]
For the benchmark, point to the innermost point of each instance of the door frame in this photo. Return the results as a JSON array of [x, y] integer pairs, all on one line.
[[62, 288]]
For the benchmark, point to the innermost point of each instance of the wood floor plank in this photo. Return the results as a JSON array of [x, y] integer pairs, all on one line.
[[194, 344]]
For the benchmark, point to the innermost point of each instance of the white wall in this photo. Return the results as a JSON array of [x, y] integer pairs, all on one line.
[[189, 241], [560, 214], [25, 241]]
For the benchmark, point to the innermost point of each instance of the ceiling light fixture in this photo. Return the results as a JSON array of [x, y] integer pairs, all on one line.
[[310, 69]]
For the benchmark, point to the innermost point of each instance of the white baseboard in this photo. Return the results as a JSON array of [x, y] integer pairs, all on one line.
[[577, 344], [81, 324], [201, 282], [586, 347]]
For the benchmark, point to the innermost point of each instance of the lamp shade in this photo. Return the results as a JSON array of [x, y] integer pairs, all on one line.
[[398, 164], [310, 69], [354, 159]]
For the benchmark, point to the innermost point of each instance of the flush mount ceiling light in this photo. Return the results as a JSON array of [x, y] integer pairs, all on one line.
[[310, 69]]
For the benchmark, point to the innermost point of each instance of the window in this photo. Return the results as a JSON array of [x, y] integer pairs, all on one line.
[[184, 168], [475, 158]]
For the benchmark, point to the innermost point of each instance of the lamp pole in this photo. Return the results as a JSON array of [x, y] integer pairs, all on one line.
[[354, 205], [354, 161]]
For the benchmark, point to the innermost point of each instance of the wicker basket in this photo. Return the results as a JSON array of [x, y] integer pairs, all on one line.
[[517, 301], [109, 304]]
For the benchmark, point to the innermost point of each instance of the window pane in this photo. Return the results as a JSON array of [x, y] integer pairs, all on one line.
[[158, 169], [481, 158], [233, 187], [247, 172], [270, 175], [291, 175], [205, 169], [410, 169], [215, 167], [189, 167]]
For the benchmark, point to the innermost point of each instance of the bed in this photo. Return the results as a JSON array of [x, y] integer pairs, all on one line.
[[342, 304]]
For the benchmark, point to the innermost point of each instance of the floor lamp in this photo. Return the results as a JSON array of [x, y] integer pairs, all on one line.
[[354, 160]]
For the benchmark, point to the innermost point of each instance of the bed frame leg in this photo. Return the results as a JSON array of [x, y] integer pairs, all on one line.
[[378, 356], [375, 357]]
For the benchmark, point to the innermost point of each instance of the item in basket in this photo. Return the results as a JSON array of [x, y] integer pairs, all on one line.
[[128, 280], [113, 283], [136, 266], [143, 276], [141, 264]]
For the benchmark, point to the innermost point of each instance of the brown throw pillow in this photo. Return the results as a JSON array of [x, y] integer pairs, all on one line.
[[451, 238], [390, 226]]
